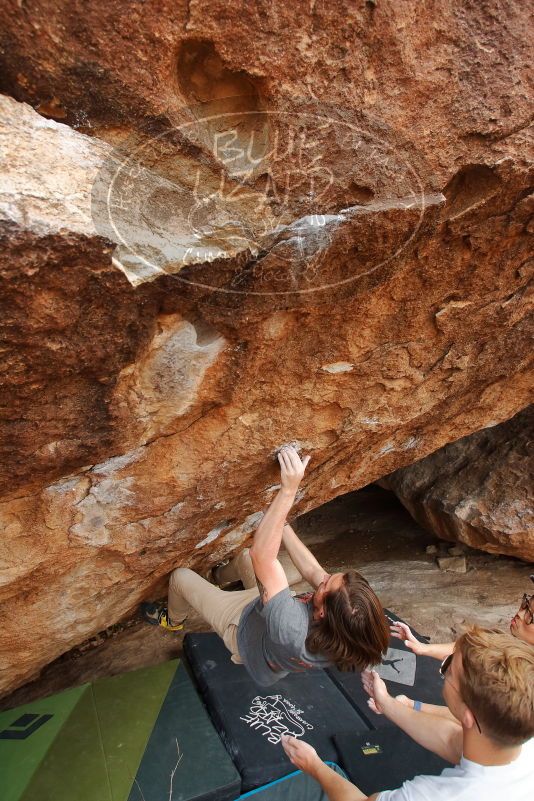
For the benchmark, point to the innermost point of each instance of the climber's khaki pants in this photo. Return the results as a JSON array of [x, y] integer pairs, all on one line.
[[221, 609]]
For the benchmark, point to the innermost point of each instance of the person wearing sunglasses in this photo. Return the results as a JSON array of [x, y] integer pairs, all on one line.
[[488, 686], [521, 626]]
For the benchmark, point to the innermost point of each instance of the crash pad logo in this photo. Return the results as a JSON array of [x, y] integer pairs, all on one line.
[[273, 716], [398, 666], [24, 727]]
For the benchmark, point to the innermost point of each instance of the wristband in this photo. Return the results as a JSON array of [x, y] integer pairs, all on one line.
[[417, 706]]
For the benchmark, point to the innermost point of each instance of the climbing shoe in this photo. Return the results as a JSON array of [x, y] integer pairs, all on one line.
[[157, 615]]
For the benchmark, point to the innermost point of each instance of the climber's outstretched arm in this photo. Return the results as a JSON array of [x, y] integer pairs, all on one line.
[[268, 537], [303, 559]]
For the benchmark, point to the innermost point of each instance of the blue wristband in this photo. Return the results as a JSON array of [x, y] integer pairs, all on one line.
[[417, 706]]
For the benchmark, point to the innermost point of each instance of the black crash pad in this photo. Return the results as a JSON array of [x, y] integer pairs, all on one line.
[[184, 759], [383, 760], [404, 673], [251, 719], [294, 787]]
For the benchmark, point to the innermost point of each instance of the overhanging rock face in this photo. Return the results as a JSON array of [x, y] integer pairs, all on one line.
[[359, 284]]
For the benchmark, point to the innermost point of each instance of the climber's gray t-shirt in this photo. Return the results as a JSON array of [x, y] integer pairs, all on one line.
[[271, 637]]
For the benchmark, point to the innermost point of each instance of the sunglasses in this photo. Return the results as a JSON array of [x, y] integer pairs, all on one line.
[[443, 668], [525, 604]]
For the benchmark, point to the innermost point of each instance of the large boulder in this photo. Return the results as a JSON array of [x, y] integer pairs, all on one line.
[[479, 490], [363, 293]]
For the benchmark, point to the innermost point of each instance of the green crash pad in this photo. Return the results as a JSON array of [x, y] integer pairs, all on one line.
[[140, 736]]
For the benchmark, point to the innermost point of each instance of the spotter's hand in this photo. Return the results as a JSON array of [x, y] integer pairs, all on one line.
[[376, 689], [404, 633], [301, 754]]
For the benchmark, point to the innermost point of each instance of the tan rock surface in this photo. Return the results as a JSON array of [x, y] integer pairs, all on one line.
[[479, 490], [372, 317], [427, 69]]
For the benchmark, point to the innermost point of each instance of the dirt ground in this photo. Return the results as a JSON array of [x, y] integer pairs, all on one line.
[[368, 530]]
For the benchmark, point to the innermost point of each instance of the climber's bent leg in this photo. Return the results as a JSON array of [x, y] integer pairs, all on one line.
[[222, 610], [238, 569]]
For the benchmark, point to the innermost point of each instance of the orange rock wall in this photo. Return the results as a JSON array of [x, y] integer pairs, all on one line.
[[140, 417]]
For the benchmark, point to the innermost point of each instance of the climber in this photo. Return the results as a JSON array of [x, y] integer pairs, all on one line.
[[521, 627], [264, 627], [489, 690]]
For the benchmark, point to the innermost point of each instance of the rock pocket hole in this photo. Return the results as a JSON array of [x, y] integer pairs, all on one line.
[[232, 99], [359, 194], [471, 186], [203, 77]]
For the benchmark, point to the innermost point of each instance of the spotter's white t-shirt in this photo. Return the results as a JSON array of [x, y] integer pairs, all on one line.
[[469, 781]]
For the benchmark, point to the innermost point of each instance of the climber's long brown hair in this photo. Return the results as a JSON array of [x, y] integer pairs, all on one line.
[[353, 634]]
